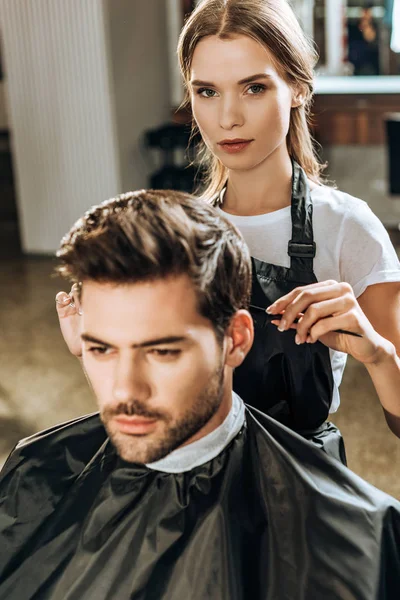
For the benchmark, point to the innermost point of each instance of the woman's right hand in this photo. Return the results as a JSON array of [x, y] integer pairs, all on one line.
[[70, 321]]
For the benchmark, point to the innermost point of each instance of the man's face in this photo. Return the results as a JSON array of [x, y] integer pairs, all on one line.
[[154, 363]]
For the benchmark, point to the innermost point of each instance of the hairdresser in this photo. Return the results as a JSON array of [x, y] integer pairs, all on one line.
[[322, 261]]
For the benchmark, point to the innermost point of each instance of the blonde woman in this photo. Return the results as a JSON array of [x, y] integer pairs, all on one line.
[[320, 257]]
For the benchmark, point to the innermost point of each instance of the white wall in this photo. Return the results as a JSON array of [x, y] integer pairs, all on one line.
[[139, 66], [304, 10], [86, 79], [60, 113], [174, 26], [363, 172]]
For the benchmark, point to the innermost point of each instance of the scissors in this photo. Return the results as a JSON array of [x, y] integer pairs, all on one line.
[[277, 317], [75, 296]]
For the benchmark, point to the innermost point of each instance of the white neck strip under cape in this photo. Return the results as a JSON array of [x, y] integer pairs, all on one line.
[[205, 449]]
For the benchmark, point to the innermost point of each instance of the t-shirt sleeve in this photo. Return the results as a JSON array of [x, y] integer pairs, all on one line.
[[367, 255]]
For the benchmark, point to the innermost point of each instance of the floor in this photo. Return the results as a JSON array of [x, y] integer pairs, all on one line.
[[42, 384]]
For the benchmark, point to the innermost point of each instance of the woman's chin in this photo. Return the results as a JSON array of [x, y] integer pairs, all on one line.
[[238, 163]]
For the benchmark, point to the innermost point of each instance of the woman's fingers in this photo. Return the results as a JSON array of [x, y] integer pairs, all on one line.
[[277, 323], [70, 321], [348, 321], [322, 311], [282, 303], [62, 299], [309, 299], [65, 305], [311, 328]]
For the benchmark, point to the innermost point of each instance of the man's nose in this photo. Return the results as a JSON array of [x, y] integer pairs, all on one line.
[[231, 114], [131, 382]]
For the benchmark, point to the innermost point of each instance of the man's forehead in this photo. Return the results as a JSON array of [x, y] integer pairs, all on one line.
[[179, 289], [134, 313]]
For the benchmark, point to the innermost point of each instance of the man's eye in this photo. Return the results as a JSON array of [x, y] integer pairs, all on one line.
[[164, 352], [99, 350], [206, 92]]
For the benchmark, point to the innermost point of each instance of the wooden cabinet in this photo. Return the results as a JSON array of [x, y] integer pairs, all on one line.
[[352, 118]]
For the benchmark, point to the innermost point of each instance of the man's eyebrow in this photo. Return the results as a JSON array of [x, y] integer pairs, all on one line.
[[199, 83], [171, 339]]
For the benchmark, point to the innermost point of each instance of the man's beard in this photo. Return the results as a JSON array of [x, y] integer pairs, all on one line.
[[142, 448]]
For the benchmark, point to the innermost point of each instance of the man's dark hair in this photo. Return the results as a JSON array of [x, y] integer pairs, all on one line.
[[153, 234]]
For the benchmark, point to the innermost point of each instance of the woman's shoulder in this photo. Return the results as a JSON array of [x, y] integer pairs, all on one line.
[[334, 200], [353, 241], [336, 207]]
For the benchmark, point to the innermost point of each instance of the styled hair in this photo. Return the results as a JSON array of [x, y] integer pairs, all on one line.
[[149, 235], [273, 24]]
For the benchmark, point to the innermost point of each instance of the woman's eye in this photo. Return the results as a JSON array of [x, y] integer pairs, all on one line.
[[206, 93], [257, 88]]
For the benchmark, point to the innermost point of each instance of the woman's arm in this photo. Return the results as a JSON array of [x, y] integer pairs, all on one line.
[[381, 305], [327, 306]]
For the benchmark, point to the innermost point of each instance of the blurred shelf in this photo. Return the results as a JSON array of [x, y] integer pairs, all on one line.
[[358, 119], [379, 84]]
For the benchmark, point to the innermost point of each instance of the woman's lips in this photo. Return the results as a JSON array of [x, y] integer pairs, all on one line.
[[135, 425], [235, 146]]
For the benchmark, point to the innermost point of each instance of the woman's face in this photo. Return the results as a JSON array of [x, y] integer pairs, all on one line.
[[237, 94]]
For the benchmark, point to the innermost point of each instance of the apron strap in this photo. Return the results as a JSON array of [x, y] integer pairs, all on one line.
[[301, 247]]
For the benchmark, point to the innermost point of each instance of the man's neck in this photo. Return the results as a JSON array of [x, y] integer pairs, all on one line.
[[207, 447], [217, 419]]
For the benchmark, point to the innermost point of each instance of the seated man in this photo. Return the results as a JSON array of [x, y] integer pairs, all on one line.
[[176, 490]]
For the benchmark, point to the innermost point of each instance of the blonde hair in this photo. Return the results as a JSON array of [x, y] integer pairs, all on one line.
[[273, 24]]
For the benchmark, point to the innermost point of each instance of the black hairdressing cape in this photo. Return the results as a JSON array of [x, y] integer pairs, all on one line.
[[271, 518]]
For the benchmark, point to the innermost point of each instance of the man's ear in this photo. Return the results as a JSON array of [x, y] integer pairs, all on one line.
[[239, 336]]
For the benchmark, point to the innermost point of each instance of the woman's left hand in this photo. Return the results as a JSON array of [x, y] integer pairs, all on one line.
[[321, 309]]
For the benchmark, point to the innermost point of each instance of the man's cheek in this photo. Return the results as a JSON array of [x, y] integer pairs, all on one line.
[[191, 379], [89, 370], [99, 380]]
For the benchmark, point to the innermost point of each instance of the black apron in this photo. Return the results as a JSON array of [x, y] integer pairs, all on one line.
[[269, 518], [291, 383]]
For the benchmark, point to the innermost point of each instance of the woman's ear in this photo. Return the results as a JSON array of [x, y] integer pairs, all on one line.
[[298, 96], [239, 336]]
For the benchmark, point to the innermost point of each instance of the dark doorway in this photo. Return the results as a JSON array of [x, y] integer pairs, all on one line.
[[9, 230]]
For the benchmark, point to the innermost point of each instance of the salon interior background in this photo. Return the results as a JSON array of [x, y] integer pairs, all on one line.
[[81, 83]]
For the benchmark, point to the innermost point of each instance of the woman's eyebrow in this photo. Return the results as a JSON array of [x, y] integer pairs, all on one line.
[[199, 83]]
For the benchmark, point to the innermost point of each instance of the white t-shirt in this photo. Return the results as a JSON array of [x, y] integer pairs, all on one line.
[[352, 246]]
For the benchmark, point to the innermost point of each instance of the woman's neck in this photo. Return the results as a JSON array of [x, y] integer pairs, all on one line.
[[266, 188]]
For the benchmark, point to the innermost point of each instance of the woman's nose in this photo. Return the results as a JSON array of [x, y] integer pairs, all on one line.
[[230, 114]]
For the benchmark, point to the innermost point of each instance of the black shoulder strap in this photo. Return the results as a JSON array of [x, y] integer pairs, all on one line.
[[301, 247]]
